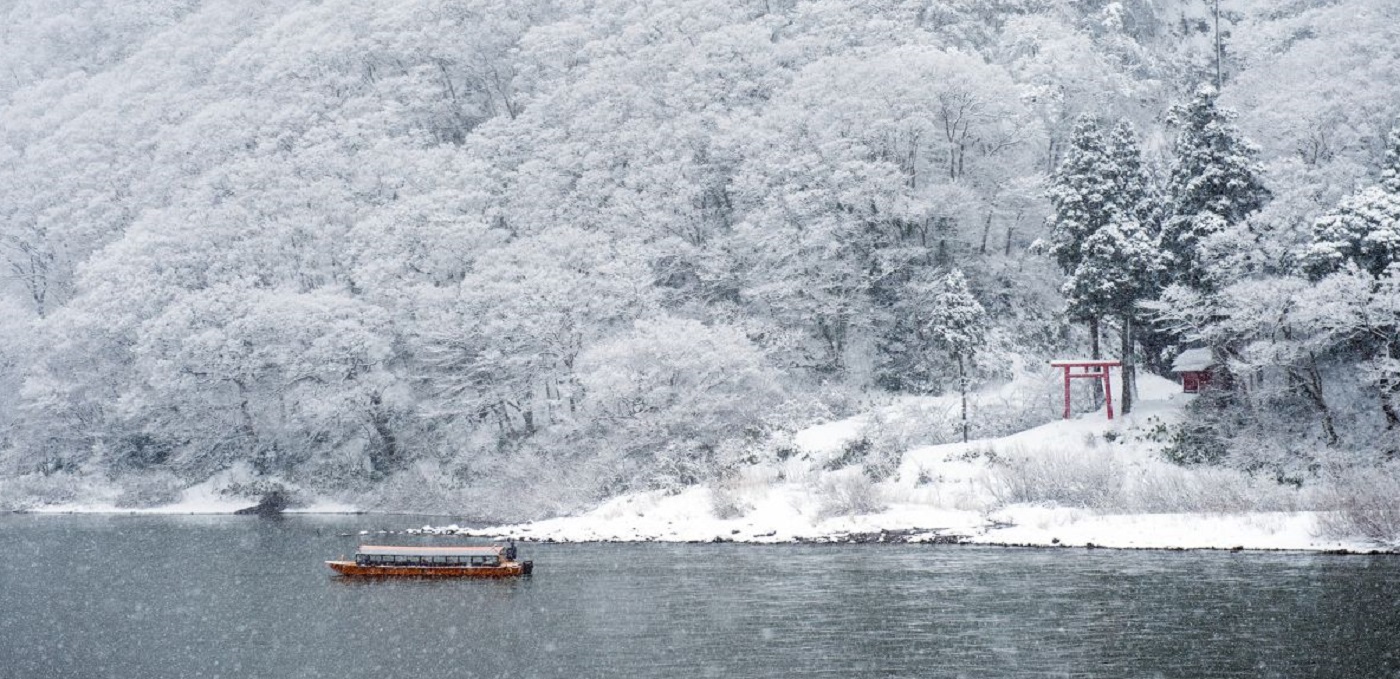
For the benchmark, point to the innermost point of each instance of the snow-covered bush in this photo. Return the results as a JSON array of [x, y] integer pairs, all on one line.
[[1089, 479], [152, 489], [909, 424], [729, 497], [1170, 489], [1195, 443], [1364, 503], [849, 494], [37, 490]]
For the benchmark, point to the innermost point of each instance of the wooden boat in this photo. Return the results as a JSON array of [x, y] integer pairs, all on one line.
[[477, 561]]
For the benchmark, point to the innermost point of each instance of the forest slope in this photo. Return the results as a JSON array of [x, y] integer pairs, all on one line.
[[528, 256]]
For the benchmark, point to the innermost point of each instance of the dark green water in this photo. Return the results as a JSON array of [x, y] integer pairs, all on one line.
[[110, 596]]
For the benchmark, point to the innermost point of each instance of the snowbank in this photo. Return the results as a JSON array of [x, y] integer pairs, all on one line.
[[210, 497], [1084, 482], [964, 492]]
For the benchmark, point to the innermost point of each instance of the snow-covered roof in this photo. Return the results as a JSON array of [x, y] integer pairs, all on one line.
[[477, 550], [1193, 360]]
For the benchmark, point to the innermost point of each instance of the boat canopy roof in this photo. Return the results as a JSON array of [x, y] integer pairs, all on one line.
[[473, 550]]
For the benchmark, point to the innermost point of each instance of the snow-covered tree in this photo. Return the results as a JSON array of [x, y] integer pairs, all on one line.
[[1080, 206], [1121, 267], [957, 326], [1079, 196], [1361, 239], [1215, 182], [1102, 234], [1364, 230]]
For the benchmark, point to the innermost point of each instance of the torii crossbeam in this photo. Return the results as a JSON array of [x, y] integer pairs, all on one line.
[[1090, 368]]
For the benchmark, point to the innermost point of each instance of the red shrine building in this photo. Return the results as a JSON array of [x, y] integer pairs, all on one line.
[[1195, 367]]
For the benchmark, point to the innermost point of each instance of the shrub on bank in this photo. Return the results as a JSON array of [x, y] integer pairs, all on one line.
[[1364, 503], [1087, 479], [849, 494]]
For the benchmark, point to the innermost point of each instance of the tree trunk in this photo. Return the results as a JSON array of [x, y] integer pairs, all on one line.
[[986, 232], [962, 389], [249, 430], [262, 456], [1129, 369], [1311, 383], [1392, 414], [388, 457], [1095, 352], [1011, 228], [1390, 389]]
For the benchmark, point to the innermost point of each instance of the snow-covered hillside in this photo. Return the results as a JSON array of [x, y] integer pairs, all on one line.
[[522, 257], [968, 492]]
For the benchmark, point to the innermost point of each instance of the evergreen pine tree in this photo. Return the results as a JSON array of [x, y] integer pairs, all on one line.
[[1132, 189], [1078, 195], [1214, 183], [1079, 200], [1120, 268], [958, 326], [1103, 232]]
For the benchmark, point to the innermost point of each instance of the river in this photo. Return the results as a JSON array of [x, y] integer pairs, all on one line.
[[143, 596]]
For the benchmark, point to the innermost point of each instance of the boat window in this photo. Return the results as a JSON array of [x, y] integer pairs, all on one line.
[[492, 561]]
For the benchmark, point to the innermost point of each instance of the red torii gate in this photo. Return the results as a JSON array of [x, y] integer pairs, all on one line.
[[1091, 368]]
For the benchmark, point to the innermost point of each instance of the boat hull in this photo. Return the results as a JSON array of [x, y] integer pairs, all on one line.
[[506, 570]]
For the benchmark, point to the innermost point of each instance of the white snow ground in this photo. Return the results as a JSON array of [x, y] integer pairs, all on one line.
[[941, 492], [949, 492], [205, 498]]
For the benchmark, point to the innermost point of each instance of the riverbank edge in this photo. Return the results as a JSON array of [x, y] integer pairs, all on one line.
[[913, 536]]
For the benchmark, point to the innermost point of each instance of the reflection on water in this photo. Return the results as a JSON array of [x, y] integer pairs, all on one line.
[[243, 597]]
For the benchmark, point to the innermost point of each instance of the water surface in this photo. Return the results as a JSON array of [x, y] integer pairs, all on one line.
[[126, 596]]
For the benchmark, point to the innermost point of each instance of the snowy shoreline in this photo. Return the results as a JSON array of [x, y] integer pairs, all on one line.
[[1258, 531], [1085, 482], [1292, 542], [1128, 496]]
